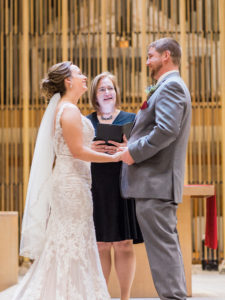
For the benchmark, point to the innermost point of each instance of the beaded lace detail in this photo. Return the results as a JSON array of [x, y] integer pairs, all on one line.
[[69, 267]]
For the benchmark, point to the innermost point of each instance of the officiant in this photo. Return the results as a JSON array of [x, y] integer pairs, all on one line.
[[114, 217]]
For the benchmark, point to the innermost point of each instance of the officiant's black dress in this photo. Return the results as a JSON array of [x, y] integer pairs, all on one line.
[[114, 217]]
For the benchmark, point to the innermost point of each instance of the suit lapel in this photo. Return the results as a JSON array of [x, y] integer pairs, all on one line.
[[175, 74]]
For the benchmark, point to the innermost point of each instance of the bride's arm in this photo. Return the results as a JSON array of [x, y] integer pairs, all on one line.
[[73, 134]]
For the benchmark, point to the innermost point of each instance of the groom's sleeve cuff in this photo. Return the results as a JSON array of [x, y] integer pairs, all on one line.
[[135, 154]]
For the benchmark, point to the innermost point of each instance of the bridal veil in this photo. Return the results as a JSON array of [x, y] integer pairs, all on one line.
[[37, 206]]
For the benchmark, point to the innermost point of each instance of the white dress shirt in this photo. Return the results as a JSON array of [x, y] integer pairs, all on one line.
[[165, 74]]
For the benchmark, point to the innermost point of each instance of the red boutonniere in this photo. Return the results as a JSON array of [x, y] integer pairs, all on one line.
[[144, 105]]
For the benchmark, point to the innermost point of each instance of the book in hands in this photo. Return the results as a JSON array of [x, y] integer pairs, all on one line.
[[111, 132]]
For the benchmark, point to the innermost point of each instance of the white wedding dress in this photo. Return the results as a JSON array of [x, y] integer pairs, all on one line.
[[69, 267]]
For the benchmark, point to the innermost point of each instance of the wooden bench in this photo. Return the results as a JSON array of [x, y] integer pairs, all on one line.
[[8, 249]]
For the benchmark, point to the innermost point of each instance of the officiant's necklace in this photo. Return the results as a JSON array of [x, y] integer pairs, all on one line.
[[106, 118], [107, 115]]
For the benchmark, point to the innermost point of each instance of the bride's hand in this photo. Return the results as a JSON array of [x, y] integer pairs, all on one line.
[[116, 157]]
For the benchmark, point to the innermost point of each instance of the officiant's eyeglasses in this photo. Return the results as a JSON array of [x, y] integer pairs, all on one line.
[[103, 90]]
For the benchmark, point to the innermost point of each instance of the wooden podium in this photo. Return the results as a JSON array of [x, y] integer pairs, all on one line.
[[8, 249], [143, 286]]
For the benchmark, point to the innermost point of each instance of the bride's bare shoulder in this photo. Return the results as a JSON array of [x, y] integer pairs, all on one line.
[[71, 113]]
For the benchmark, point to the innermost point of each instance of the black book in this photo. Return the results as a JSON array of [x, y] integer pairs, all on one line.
[[106, 132]]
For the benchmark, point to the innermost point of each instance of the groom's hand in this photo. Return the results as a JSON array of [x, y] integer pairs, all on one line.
[[126, 157]]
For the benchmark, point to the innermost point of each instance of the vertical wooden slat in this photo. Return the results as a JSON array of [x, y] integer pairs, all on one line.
[[11, 179], [201, 136], [217, 130], [36, 63], [7, 109], [183, 44], [54, 33], [115, 56], [40, 16], [14, 114], [207, 122], [45, 37], [183, 41], [133, 91], [118, 4], [128, 16], [89, 42], [2, 55], [222, 92], [2, 80], [32, 112], [70, 29], [50, 30], [65, 30], [25, 89], [103, 36], [98, 37], [143, 50]]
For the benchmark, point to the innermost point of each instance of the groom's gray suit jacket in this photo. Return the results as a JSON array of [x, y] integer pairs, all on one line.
[[158, 143]]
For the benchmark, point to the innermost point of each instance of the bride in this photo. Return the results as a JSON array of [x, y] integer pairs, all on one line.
[[58, 231]]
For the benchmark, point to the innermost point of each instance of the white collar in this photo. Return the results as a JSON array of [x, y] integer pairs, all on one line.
[[165, 74]]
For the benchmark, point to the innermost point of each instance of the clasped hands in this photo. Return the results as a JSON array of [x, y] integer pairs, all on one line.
[[120, 148]]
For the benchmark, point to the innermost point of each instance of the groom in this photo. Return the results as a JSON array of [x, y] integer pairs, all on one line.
[[153, 169]]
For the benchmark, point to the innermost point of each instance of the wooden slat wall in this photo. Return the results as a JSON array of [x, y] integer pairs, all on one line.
[[11, 112], [113, 35], [204, 156], [222, 96]]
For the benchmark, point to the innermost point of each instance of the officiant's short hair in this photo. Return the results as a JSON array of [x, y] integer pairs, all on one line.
[[94, 86], [169, 44]]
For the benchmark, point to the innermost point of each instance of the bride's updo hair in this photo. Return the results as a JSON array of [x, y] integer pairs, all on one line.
[[54, 82]]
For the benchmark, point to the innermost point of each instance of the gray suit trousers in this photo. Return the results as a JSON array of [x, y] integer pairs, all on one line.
[[157, 220]]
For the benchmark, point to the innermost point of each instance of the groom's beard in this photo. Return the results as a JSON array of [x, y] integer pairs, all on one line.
[[155, 70]]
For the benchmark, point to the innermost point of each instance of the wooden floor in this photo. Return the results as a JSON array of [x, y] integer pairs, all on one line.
[[207, 285]]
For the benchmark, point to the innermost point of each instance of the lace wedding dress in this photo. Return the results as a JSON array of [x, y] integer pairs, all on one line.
[[69, 267]]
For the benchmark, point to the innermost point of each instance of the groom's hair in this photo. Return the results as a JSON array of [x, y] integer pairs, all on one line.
[[169, 44]]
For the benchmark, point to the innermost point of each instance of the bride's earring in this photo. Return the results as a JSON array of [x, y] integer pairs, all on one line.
[[71, 85]]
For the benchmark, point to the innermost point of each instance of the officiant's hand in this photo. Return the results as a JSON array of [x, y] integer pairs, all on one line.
[[99, 146], [117, 146]]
